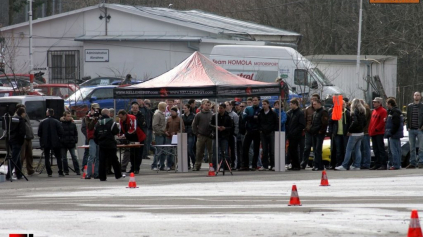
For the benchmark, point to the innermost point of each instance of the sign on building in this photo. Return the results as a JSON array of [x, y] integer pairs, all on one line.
[[96, 55]]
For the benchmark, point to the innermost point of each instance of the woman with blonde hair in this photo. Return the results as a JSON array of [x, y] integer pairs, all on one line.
[[356, 134]]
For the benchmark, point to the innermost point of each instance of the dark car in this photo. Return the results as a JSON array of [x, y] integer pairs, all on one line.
[[16, 82]]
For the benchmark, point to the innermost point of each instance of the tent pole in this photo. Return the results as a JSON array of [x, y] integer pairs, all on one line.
[[280, 128], [114, 108], [217, 137]]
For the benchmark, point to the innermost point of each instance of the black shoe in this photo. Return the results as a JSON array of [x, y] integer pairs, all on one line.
[[50, 175], [382, 168], [66, 173], [294, 168], [244, 169], [61, 175], [374, 168], [96, 177], [316, 169], [78, 173], [87, 177], [136, 172], [364, 168]]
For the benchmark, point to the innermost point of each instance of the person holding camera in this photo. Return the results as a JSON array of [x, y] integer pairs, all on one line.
[[91, 120], [69, 140], [50, 132], [104, 135], [17, 137]]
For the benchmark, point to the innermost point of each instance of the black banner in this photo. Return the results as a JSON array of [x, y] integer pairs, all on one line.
[[196, 92]]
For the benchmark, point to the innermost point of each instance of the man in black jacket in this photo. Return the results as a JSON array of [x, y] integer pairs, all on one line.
[[50, 132], [224, 127], [319, 124], [268, 124], [338, 130], [415, 130], [17, 137], [394, 131], [69, 140], [104, 136], [295, 125]]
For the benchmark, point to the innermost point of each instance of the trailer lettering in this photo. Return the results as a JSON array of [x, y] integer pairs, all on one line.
[[220, 62], [239, 62]]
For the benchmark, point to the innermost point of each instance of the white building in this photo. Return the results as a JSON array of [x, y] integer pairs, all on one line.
[[341, 70], [113, 40]]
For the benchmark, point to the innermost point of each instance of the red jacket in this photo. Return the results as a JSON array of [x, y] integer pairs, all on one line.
[[131, 130], [377, 123]]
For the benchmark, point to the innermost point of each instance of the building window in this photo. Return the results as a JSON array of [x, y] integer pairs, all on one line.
[[63, 66]]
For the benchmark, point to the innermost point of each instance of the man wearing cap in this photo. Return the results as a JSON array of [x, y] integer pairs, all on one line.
[[91, 120], [376, 132]]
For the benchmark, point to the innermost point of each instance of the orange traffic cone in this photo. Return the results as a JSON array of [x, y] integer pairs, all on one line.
[[295, 200], [132, 183], [414, 230], [325, 181], [211, 170], [84, 173]]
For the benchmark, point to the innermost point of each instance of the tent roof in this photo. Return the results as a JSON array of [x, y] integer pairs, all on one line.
[[197, 76], [197, 70]]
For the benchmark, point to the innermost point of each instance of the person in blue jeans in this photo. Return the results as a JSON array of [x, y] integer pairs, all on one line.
[[356, 134], [159, 129], [415, 133], [394, 131], [91, 120], [365, 143]]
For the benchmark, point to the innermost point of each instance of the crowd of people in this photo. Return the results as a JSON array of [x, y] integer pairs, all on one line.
[[245, 132]]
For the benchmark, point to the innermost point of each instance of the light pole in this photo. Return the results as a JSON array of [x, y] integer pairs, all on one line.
[[360, 18], [31, 66]]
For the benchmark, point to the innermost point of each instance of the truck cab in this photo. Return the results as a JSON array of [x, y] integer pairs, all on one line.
[[266, 63]]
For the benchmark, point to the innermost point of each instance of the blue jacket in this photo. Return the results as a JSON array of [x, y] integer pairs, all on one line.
[[251, 123], [394, 124], [283, 119]]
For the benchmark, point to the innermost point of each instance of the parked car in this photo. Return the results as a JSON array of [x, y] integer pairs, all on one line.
[[101, 81], [7, 93], [38, 77], [62, 90], [17, 82], [36, 107], [80, 102]]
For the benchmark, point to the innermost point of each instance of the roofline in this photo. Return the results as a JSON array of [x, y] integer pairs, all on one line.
[[39, 20], [142, 40]]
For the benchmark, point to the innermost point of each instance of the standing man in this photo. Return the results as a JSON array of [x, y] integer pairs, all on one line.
[[233, 133], [69, 140], [295, 125], [376, 132], [415, 127], [250, 116], [268, 124], [308, 114], [26, 152], [188, 118], [318, 128], [159, 129], [17, 137], [148, 116], [104, 136], [133, 133], [338, 130], [50, 132], [224, 129], [173, 127], [394, 131], [135, 110], [201, 128]]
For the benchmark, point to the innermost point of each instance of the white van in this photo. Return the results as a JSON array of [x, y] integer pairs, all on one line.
[[36, 107], [266, 63]]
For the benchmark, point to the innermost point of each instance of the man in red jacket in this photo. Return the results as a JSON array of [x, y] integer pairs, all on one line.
[[133, 133], [376, 132]]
